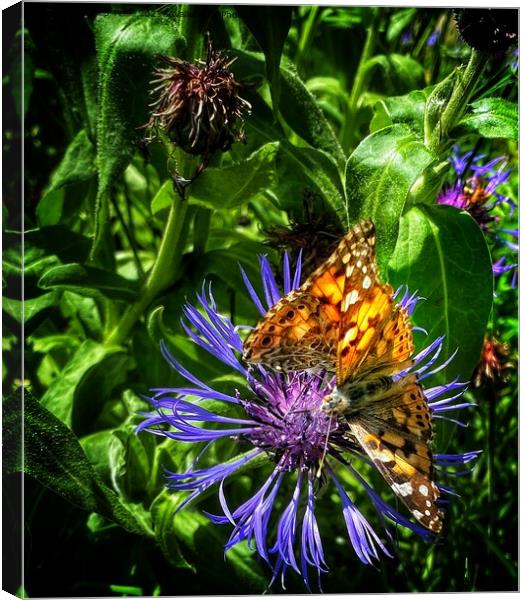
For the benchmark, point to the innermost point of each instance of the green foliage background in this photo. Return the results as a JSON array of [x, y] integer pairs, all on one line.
[[345, 111]]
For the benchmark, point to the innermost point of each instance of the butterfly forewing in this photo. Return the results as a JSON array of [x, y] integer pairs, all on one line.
[[301, 330]]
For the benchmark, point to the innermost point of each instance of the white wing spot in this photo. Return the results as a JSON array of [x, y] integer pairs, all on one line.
[[350, 335], [346, 258], [403, 489], [367, 282], [417, 514], [423, 490], [427, 513], [352, 297]]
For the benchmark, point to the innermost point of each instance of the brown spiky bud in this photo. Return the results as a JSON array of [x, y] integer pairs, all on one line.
[[198, 105], [493, 362]]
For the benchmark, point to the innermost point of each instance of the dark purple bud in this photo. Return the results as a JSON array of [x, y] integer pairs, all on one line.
[[198, 105]]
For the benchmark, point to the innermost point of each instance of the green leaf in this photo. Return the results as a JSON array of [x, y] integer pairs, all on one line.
[[42, 248], [126, 45], [61, 394], [225, 263], [104, 376], [95, 446], [188, 538], [379, 175], [298, 107], [398, 73], [12, 427], [233, 185], [304, 115], [163, 515], [269, 26], [83, 314], [126, 590], [130, 460], [53, 456], [428, 185], [90, 281], [78, 164], [35, 310], [490, 118], [306, 169], [299, 169], [408, 109], [59, 341], [442, 254], [163, 199], [202, 543], [398, 22]]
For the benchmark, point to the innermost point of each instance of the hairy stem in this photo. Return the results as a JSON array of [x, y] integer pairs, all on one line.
[[460, 97]]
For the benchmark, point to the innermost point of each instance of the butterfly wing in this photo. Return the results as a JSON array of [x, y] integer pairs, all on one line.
[[395, 430], [375, 336], [301, 330]]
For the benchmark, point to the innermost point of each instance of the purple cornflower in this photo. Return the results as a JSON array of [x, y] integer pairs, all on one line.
[[476, 191], [406, 38], [433, 38], [277, 421]]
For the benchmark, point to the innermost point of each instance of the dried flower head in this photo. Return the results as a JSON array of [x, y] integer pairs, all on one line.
[[311, 235], [198, 105], [492, 30], [492, 364]]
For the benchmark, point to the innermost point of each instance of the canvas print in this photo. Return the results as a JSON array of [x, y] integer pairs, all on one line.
[[260, 314]]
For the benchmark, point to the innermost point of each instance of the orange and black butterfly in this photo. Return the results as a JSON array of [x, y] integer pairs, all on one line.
[[344, 319]]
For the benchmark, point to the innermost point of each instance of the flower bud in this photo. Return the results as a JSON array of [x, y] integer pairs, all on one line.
[[198, 105], [493, 362], [491, 30]]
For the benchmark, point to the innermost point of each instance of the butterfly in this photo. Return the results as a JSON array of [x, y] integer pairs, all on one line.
[[344, 320]]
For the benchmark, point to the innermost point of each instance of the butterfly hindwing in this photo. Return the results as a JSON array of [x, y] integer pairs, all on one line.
[[415, 489], [395, 431]]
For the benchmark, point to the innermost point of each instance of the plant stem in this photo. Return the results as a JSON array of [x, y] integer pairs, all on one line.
[[161, 275], [461, 94], [201, 229], [357, 87]]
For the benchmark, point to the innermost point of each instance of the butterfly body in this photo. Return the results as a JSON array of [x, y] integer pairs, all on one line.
[[350, 397], [344, 320]]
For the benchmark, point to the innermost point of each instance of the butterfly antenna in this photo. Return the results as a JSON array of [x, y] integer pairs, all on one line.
[[325, 450]]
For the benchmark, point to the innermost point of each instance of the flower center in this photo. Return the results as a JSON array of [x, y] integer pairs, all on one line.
[[291, 426]]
